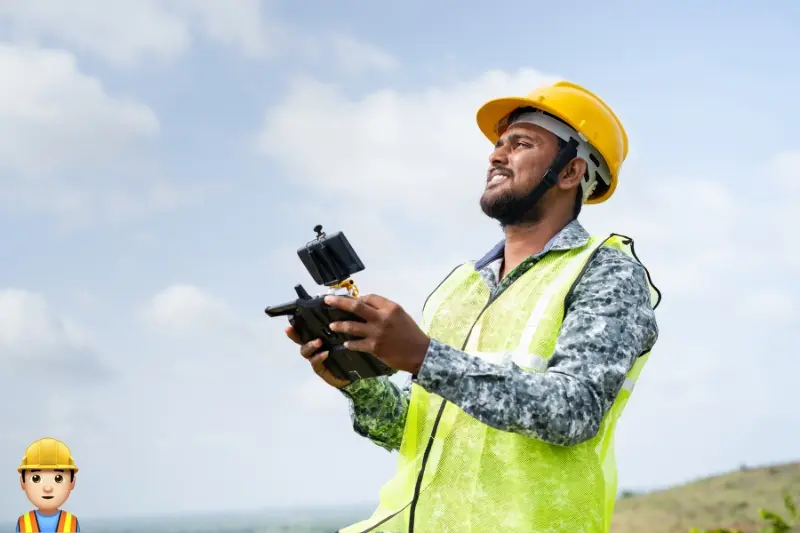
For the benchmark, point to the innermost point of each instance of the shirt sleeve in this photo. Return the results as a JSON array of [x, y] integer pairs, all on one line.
[[378, 409], [609, 322], [17, 530]]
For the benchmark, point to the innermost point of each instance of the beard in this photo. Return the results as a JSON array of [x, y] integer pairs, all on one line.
[[510, 208]]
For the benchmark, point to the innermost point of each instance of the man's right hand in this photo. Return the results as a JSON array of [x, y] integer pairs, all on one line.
[[307, 351]]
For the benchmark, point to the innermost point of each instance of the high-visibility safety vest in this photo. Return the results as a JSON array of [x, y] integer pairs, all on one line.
[[67, 523], [458, 475]]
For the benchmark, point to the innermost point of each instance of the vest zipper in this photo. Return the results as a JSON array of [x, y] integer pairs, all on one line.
[[427, 452]]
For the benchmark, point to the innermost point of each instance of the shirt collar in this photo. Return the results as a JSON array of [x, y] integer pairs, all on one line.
[[573, 235]]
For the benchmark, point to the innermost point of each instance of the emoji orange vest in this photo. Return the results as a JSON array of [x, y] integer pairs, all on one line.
[[67, 523]]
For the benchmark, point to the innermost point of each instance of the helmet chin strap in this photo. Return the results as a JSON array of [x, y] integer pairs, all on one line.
[[567, 153], [596, 168]]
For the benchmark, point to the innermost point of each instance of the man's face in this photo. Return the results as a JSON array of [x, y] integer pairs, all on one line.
[[516, 166], [47, 490]]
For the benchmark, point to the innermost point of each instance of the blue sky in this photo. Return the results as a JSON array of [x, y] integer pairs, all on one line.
[[161, 163]]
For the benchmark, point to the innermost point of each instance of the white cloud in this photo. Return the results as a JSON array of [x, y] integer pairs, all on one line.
[[358, 56], [404, 152], [34, 338], [52, 116], [348, 54], [138, 30], [80, 153], [785, 169], [773, 195], [241, 25], [138, 199], [79, 202], [72, 149], [184, 309], [190, 320]]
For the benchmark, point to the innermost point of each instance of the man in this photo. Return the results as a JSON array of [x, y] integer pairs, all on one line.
[[526, 357], [47, 476]]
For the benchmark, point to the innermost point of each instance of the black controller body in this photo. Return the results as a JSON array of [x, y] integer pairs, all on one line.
[[310, 318]]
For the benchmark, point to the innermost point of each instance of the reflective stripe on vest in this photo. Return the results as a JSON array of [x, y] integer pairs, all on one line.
[[475, 478], [28, 523], [67, 523]]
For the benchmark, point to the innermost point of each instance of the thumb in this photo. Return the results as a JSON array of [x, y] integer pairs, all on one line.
[[292, 334]]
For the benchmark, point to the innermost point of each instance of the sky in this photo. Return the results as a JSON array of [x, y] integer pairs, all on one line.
[[162, 161]]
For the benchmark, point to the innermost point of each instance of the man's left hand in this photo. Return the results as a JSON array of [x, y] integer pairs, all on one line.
[[389, 333]]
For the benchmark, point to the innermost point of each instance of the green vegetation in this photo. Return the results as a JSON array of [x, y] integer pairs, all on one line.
[[729, 503], [775, 523]]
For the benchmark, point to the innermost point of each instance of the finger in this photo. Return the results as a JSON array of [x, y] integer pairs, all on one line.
[[317, 363], [348, 327], [308, 349], [353, 305], [361, 345], [376, 301], [292, 334]]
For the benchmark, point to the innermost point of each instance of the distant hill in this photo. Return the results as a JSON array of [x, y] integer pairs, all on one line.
[[728, 500]]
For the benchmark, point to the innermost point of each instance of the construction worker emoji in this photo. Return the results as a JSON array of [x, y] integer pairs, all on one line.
[[47, 476]]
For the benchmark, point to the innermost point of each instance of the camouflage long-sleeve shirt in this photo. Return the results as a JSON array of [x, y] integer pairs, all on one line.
[[609, 322]]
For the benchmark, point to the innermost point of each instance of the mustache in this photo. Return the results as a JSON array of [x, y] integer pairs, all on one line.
[[504, 171]]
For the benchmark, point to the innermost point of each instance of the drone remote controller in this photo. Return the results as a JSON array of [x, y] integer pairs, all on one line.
[[330, 261]]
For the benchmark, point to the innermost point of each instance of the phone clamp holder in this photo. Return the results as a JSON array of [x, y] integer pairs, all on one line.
[[331, 261]]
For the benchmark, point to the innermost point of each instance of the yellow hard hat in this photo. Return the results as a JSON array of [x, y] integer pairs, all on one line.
[[47, 454], [584, 111]]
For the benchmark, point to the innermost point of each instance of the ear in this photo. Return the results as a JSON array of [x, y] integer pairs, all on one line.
[[21, 483], [572, 174]]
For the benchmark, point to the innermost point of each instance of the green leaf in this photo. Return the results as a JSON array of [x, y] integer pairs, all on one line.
[[777, 520], [788, 502]]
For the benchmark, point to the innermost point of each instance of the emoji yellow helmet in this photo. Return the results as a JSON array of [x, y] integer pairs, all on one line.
[[47, 454]]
